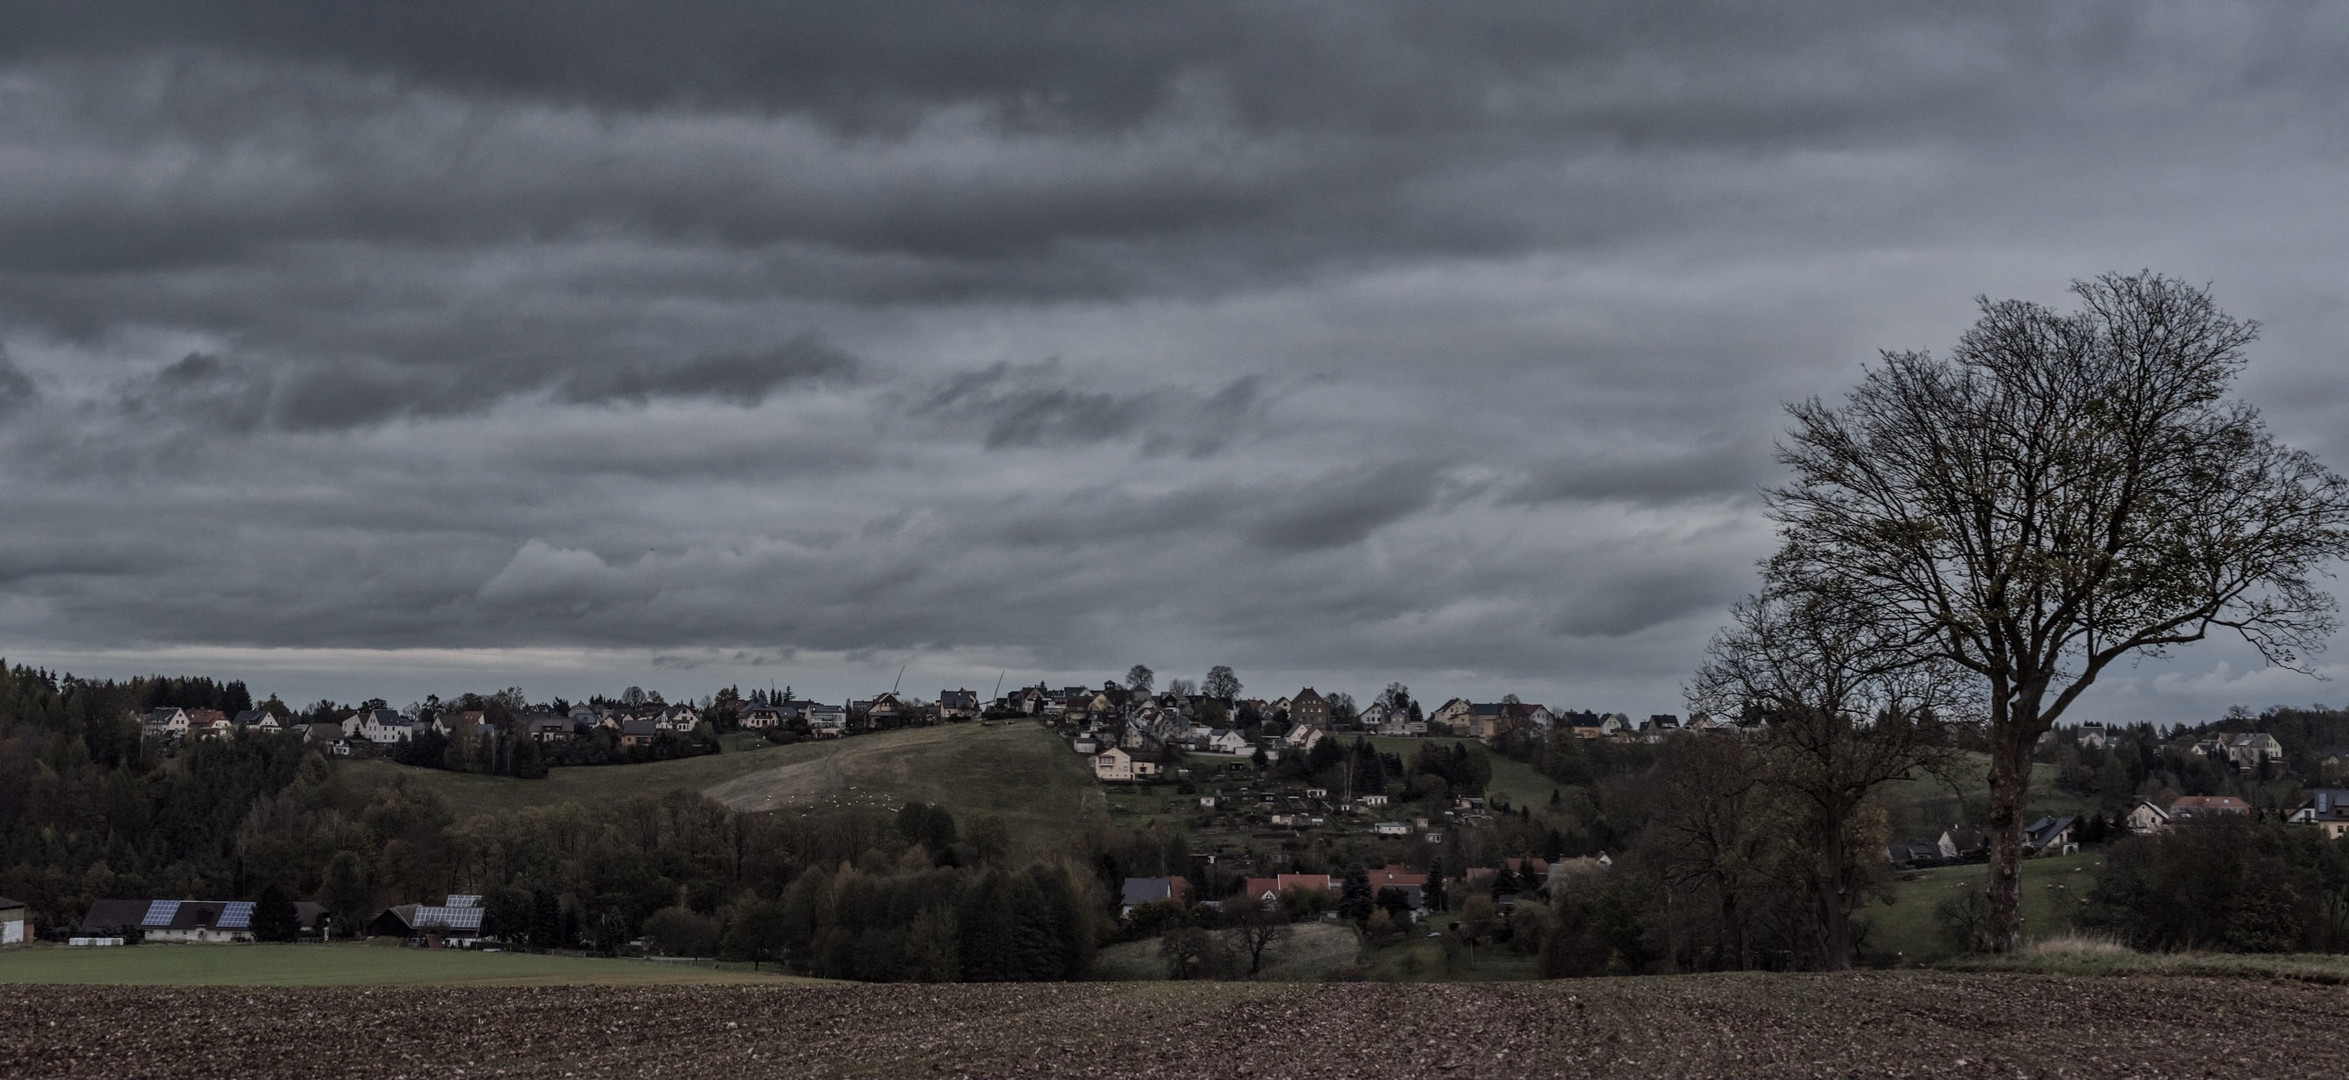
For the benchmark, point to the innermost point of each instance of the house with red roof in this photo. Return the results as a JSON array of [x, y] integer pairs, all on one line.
[[2189, 807]]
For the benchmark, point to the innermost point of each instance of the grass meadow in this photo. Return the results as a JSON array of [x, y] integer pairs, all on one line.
[[353, 964], [2053, 889], [1019, 771]]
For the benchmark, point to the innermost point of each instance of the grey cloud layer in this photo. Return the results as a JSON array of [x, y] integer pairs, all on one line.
[[1351, 339]]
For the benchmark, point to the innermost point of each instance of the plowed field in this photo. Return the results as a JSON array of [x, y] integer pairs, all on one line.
[[1875, 1024]]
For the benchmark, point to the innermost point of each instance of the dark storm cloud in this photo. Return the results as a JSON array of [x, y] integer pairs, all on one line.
[[1034, 405], [16, 387], [1722, 471], [1395, 338], [1342, 507], [222, 393], [740, 379]]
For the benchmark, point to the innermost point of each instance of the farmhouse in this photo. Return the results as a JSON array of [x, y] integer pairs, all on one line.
[[456, 922], [184, 921], [12, 922]]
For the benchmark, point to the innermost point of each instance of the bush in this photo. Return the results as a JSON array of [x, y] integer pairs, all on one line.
[[1964, 921], [678, 931]]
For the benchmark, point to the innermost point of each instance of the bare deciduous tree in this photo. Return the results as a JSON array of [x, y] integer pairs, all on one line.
[[1848, 706], [1260, 927], [2061, 492]]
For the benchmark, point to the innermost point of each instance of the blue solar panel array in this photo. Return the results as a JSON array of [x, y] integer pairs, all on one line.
[[451, 918], [464, 900], [238, 915], [160, 913]]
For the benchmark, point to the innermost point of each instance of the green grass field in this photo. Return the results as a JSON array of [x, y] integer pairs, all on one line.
[[1018, 771], [1312, 953], [1921, 807], [2300, 967], [2053, 889], [345, 965]]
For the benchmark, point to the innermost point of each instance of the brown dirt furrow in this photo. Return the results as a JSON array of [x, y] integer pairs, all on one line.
[[1907, 1024]]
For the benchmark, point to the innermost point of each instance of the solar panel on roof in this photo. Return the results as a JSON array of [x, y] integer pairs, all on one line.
[[464, 900], [160, 913], [237, 915], [451, 918]]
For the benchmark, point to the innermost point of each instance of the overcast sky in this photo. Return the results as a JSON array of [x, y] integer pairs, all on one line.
[[371, 350]]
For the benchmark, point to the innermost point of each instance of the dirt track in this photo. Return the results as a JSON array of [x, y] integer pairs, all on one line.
[[1892, 1024]]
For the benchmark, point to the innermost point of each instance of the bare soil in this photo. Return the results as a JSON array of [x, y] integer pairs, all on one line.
[[1906, 1024]]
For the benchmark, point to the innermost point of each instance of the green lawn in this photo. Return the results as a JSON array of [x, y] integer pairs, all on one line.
[[1019, 771], [1515, 782], [1920, 808], [343, 965], [2053, 888], [1312, 953], [1419, 958], [2300, 967]]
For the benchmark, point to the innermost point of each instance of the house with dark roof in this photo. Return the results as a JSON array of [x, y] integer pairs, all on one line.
[[639, 732], [1962, 842], [454, 922], [184, 921], [378, 726], [2050, 833], [1910, 854], [958, 704], [1138, 891], [1309, 708], [2327, 809], [2189, 807]]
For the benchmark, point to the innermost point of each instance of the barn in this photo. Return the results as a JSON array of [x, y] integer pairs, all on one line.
[[184, 921]]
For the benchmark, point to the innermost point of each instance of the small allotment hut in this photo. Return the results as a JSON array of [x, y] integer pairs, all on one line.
[[14, 923]]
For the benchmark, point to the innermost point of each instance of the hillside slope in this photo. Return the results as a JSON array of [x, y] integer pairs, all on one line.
[[1018, 771]]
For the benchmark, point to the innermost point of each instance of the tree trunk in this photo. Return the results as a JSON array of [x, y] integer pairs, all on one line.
[[2010, 788], [1834, 901]]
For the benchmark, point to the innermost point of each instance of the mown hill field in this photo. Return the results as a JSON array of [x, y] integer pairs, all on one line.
[[1019, 771]]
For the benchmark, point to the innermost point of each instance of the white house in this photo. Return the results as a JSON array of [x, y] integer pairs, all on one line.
[[827, 721], [2147, 818], [166, 721], [1227, 741], [1113, 764]]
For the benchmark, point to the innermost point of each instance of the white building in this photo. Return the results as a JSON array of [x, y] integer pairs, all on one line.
[[1113, 764]]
